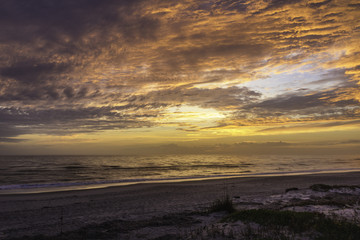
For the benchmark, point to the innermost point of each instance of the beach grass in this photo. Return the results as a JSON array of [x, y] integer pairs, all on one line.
[[316, 224], [326, 188], [223, 204]]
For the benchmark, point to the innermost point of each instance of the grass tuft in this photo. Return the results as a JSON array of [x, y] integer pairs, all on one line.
[[224, 204], [326, 188], [299, 222]]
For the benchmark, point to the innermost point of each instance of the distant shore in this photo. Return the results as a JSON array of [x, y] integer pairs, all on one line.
[[55, 212]]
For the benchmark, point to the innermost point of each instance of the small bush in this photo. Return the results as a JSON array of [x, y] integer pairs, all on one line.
[[224, 204]]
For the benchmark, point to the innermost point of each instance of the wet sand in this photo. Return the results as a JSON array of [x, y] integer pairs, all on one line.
[[51, 213]]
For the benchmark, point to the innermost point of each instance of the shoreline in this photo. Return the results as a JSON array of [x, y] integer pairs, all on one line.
[[41, 213], [36, 188]]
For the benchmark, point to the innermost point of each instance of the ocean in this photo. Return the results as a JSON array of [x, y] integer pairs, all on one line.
[[30, 174]]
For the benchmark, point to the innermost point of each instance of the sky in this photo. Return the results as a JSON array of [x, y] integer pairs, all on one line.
[[179, 76]]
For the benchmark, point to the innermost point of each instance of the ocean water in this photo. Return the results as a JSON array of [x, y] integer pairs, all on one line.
[[24, 174]]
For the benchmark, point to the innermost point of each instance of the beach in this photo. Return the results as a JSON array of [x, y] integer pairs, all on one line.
[[54, 213]]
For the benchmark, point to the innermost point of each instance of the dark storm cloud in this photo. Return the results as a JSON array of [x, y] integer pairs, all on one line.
[[31, 72], [287, 102], [50, 92], [48, 43], [53, 20], [290, 102], [334, 76], [69, 92], [30, 116], [7, 131], [319, 4], [15, 121], [354, 5]]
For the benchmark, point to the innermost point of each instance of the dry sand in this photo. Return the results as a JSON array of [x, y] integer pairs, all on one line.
[[51, 213]]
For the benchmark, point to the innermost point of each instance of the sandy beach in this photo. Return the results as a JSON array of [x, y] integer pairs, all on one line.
[[53, 213]]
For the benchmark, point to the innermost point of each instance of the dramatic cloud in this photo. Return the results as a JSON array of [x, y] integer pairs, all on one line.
[[183, 67], [220, 98]]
